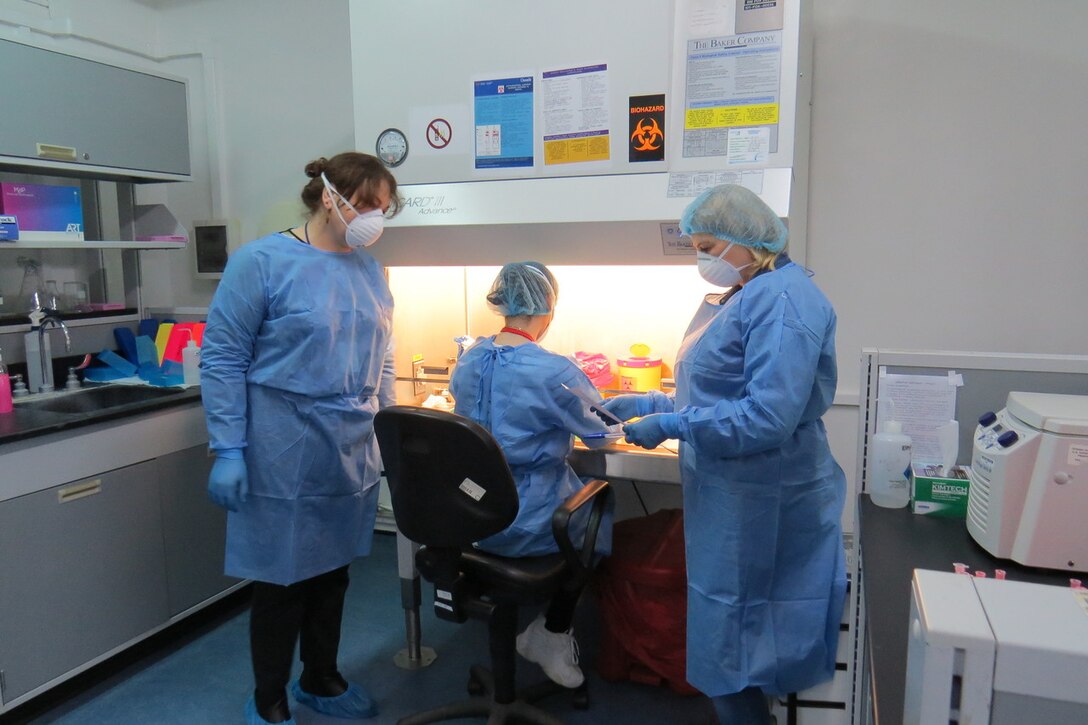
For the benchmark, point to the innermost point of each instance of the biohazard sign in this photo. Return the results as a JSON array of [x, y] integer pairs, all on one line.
[[646, 128]]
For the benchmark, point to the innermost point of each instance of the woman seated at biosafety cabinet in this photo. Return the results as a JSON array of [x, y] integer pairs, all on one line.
[[513, 387]]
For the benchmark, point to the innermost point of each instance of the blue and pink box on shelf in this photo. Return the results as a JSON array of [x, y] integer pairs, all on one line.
[[40, 212]]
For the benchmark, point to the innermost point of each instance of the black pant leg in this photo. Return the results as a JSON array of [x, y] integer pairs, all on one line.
[[560, 613], [320, 626], [274, 621]]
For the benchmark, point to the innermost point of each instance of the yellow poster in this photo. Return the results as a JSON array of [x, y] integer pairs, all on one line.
[[571, 150], [762, 114]]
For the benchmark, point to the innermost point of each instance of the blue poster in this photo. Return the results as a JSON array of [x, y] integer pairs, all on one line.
[[504, 123]]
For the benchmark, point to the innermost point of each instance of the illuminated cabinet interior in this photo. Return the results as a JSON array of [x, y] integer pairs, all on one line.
[[602, 309]]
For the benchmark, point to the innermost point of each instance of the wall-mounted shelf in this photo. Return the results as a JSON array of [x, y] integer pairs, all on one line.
[[91, 244]]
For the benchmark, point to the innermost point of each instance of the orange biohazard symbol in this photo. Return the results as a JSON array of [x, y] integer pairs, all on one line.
[[648, 134]]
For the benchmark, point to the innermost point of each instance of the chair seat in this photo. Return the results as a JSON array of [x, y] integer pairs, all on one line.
[[520, 580]]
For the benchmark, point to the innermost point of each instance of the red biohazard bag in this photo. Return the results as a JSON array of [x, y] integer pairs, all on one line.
[[642, 588]]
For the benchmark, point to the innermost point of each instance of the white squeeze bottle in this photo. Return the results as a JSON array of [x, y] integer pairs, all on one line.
[[890, 483], [190, 363]]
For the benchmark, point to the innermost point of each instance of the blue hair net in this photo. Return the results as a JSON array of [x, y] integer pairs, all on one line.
[[523, 288], [735, 214]]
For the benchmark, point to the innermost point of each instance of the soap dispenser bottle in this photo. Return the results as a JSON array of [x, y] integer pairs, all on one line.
[[37, 349], [5, 388]]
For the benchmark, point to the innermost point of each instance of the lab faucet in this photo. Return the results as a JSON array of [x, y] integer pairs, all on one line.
[[43, 353]]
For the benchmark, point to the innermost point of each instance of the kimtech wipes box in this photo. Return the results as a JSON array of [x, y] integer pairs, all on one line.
[[934, 493]]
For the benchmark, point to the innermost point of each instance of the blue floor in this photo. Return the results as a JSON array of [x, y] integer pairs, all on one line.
[[201, 674]]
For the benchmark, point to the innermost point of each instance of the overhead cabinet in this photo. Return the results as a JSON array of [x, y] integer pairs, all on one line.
[[83, 117]]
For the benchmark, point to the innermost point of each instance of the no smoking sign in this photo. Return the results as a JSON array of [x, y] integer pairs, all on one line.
[[439, 133]]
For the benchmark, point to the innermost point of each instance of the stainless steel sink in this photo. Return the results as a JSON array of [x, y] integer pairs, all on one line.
[[91, 400]]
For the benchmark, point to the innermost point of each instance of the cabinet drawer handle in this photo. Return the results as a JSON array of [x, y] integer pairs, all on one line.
[[80, 491], [52, 151]]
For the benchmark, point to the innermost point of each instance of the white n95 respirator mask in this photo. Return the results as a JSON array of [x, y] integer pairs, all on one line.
[[718, 271], [365, 228]]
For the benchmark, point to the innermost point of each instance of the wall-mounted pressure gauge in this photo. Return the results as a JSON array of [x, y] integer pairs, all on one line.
[[392, 147]]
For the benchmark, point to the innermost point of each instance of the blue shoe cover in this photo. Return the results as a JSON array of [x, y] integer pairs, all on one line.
[[354, 703], [254, 718]]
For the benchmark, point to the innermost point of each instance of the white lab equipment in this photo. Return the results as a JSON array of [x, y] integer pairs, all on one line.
[[948, 439], [890, 479], [190, 362], [1028, 495], [995, 651]]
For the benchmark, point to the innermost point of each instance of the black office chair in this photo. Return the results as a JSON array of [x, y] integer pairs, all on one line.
[[450, 487]]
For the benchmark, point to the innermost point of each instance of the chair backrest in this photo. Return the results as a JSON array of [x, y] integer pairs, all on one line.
[[448, 478]]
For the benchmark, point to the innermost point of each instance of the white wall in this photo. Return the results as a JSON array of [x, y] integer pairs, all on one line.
[[274, 92], [947, 202]]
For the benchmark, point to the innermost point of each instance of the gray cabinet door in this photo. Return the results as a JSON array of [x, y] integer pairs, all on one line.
[[111, 116], [81, 572], [194, 529]]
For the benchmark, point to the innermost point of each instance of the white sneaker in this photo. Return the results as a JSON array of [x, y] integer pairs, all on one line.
[[555, 652]]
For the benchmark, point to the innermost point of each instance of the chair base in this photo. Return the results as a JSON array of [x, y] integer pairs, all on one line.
[[481, 684]]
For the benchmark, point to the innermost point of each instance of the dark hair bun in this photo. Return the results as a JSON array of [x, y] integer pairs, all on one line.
[[316, 167]]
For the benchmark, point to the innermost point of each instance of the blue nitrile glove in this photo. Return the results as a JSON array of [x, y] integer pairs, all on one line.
[[228, 483], [651, 430], [626, 407]]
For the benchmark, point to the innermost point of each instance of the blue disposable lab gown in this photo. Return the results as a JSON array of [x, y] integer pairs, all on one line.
[[517, 393], [763, 496], [292, 371]]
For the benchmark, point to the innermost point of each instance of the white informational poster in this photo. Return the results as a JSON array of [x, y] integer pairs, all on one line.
[[733, 84], [574, 114], [922, 403], [749, 145], [693, 183]]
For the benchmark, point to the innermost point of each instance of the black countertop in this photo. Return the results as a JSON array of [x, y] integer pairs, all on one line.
[[24, 422], [895, 542]]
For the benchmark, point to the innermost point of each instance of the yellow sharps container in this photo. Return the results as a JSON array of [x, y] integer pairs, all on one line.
[[640, 372]]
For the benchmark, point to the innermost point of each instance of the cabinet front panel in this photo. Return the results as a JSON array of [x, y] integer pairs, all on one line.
[[82, 568]]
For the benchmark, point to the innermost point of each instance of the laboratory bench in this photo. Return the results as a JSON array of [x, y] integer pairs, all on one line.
[[29, 422], [893, 543], [106, 533]]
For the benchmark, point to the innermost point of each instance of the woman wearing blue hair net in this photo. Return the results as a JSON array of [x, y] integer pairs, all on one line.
[[519, 391], [763, 496], [297, 359]]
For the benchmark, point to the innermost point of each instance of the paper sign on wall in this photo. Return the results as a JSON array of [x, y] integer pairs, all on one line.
[[646, 128]]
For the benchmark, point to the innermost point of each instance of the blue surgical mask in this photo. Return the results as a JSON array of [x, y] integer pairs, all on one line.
[[717, 271], [365, 228]]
